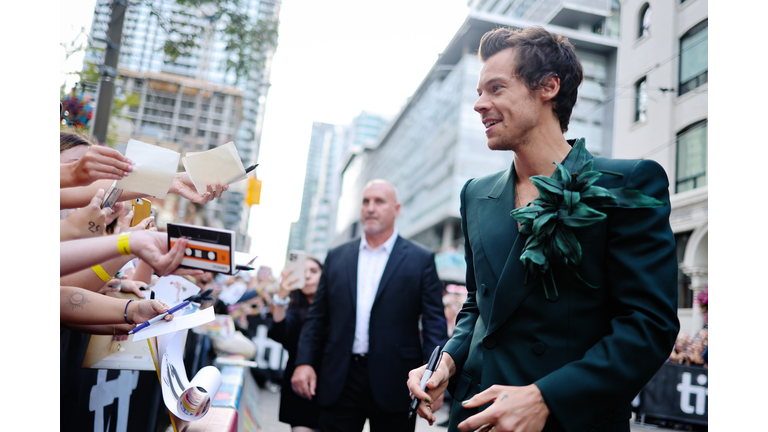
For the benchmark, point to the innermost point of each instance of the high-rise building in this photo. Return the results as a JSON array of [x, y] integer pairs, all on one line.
[[197, 121], [661, 114], [437, 142], [330, 147], [323, 135]]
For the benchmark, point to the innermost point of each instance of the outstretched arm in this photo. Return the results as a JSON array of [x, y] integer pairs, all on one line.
[[150, 246]]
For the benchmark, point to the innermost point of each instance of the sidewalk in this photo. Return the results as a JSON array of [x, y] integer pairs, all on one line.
[[269, 406]]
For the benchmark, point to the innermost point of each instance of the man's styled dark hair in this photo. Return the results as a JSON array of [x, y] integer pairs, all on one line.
[[540, 54]]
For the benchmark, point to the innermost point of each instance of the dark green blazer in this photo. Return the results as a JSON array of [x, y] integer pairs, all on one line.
[[590, 351]]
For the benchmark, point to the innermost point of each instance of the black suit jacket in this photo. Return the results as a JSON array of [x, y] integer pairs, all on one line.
[[409, 288], [589, 351]]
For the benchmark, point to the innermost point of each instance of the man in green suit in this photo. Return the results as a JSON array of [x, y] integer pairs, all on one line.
[[571, 266]]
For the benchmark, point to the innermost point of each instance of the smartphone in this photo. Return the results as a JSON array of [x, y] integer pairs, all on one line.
[[142, 209], [296, 261], [112, 195]]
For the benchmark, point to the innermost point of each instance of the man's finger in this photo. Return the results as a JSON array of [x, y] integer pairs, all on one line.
[[481, 398]]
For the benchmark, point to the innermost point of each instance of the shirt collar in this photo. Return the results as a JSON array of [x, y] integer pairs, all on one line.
[[387, 245]]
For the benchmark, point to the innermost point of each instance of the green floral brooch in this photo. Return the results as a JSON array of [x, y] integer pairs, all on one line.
[[568, 200]]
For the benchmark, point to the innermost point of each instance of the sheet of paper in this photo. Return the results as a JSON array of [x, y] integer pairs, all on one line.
[[188, 400], [182, 322], [154, 170], [174, 289], [218, 165], [244, 259]]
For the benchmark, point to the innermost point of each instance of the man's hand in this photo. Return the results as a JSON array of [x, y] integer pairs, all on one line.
[[97, 163], [304, 380], [518, 409], [182, 185], [85, 222], [432, 398]]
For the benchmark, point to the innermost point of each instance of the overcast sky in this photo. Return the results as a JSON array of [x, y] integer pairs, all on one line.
[[334, 59]]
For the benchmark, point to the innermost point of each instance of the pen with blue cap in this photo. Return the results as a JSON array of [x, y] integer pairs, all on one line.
[[434, 360], [151, 321]]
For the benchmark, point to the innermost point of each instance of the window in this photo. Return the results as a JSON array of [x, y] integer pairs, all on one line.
[[693, 58], [200, 133], [691, 157], [641, 100], [644, 21]]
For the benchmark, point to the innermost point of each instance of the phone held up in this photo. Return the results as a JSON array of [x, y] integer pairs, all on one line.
[[296, 261], [142, 209], [112, 195]]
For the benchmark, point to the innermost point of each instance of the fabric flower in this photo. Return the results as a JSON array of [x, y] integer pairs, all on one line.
[[567, 200]]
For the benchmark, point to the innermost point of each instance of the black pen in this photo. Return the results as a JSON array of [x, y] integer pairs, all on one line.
[[434, 360], [242, 177]]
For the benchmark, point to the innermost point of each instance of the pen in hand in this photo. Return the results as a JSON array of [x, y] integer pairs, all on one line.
[[434, 360], [151, 321]]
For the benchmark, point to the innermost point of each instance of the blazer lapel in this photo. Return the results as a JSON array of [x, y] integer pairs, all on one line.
[[503, 245], [497, 228], [354, 253], [396, 257]]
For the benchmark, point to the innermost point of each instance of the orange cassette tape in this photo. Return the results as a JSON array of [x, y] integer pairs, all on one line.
[[207, 249]]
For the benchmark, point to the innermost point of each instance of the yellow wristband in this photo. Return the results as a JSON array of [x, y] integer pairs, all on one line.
[[99, 270], [122, 243]]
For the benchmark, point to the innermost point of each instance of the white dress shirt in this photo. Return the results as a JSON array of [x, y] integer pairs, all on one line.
[[370, 268]]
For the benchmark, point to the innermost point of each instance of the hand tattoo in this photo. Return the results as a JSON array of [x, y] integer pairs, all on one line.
[[92, 227]]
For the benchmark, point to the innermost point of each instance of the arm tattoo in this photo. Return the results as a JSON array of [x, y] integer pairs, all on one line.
[[77, 299]]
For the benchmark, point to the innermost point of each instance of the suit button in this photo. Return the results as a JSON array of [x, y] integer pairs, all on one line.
[[539, 348], [482, 289], [489, 342]]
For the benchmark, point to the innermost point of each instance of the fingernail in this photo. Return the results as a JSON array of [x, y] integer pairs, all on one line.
[[427, 400], [465, 402]]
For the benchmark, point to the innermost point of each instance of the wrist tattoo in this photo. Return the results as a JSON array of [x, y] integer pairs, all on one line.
[[77, 299]]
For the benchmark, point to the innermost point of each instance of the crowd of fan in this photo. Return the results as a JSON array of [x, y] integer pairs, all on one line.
[[691, 351]]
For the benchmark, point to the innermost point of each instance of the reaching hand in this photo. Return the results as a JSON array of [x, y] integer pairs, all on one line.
[[152, 247], [182, 185], [145, 310], [99, 163], [519, 409], [85, 222], [125, 224], [304, 381]]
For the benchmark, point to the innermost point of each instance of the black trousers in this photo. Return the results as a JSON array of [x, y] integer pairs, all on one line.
[[356, 404]]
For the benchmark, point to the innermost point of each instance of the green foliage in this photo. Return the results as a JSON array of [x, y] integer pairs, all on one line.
[[246, 40]]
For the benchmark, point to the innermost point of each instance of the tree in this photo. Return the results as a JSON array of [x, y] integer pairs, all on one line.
[[247, 41]]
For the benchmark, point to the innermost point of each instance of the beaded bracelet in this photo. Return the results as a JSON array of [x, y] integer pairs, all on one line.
[[125, 314], [284, 302]]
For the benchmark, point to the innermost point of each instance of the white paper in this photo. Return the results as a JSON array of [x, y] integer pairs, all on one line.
[[218, 165], [154, 169], [187, 400], [198, 317], [244, 259], [174, 289]]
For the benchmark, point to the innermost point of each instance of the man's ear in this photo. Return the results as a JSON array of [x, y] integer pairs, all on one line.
[[550, 88]]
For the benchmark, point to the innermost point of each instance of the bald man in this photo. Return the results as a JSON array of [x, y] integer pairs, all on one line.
[[361, 336]]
